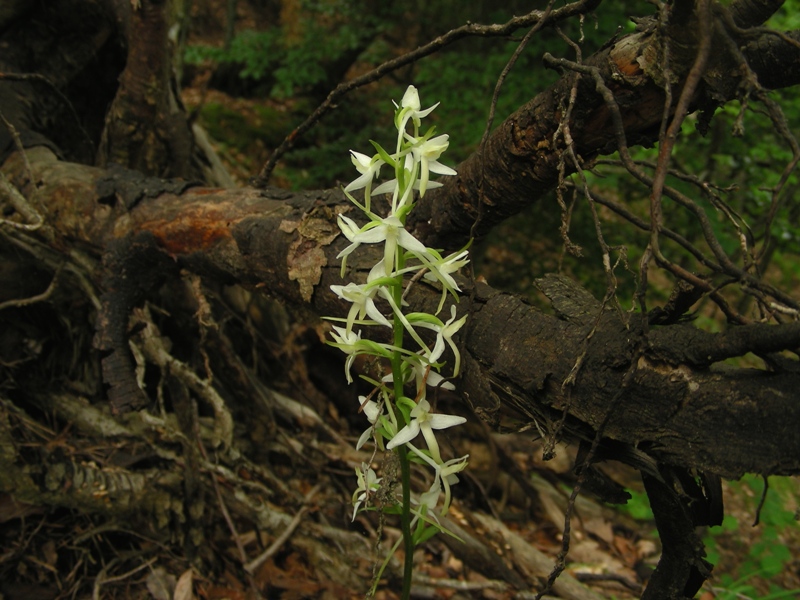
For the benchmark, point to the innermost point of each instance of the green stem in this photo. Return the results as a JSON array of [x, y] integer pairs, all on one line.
[[402, 451], [405, 522], [405, 467]]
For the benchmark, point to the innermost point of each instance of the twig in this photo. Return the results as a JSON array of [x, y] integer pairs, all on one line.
[[32, 299], [705, 224], [101, 579], [535, 17], [18, 144], [457, 584], [153, 347], [493, 106], [20, 204], [281, 539], [614, 403], [762, 500], [59, 94], [669, 135], [533, 563]]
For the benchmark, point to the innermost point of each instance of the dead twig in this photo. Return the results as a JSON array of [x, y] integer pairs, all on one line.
[[32, 299], [101, 578], [536, 17], [281, 539]]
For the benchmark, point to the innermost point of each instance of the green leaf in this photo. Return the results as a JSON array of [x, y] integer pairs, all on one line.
[[387, 158]]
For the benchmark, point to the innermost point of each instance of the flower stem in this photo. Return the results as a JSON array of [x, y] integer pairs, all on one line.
[[405, 521], [402, 451]]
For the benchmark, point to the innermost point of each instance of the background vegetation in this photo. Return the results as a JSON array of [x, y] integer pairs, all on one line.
[[281, 59]]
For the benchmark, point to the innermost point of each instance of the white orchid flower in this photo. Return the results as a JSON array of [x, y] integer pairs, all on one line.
[[444, 335], [413, 163], [409, 109], [420, 370], [350, 230], [391, 233], [370, 168], [373, 412], [347, 342], [363, 299], [442, 269], [368, 482], [427, 153], [447, 475], [422, 421], [428, 500], [351, 344]]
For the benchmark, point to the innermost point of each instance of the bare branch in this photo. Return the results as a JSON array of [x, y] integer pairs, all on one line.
[[535, 18]]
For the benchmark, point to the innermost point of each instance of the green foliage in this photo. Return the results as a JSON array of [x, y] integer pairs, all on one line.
[[769, 555], [742, 590], [323, 160], [638, 506], [787, 17], [311, 53], [265, 125], [259, 53]]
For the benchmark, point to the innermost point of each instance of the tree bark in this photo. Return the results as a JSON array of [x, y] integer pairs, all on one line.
[[517, 358]]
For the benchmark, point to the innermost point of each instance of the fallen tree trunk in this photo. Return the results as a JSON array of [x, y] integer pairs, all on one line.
[[656, 392]]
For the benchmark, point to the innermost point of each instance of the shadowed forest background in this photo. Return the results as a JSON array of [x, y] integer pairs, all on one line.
[[173, 424]]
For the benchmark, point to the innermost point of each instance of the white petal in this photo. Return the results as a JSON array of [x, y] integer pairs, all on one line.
[[387, 187], [376, 272], [371, 236], [410, 98], [360, 161], [430, 440], [431, 185], [439, 139], [409, 242], [421, 114], [372, 410], [376, 315], [444, 421], [423, 407], [438, 349], [347, 251], [360, 182], [406, 434], [364, 438], [349, 365], [437, 381], [431, 497], [437, 167], [348, 227]]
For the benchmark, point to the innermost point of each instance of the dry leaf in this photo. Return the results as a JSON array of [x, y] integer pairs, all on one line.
[[184, 589]]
